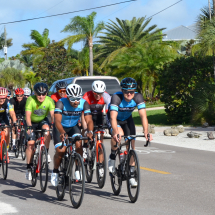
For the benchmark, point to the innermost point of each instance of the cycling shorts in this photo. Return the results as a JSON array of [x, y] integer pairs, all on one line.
[[73, 131]]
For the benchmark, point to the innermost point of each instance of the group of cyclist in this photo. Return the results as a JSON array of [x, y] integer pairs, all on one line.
[[73, 114]]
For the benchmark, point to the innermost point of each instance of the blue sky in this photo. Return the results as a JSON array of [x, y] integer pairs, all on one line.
[[184, 13]]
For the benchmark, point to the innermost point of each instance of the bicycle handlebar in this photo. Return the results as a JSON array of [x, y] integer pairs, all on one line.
[[101, 126]]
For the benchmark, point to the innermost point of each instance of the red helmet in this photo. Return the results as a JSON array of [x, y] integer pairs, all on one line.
[[19, 91], [3, 92]]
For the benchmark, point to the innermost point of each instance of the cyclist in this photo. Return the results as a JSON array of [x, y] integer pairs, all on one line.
[[9, 94], [4, 106], [67, 113], [36, 111], [18, 103], [61, 91], [27, 92], [120, 121], [97, 98]]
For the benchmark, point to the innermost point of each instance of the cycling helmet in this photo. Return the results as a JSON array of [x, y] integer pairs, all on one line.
[[19, 91], [128, 84], [3, 92], [74, 91], [61, 85], [98, 86], [9, 93], [27, 91], [40, 88]]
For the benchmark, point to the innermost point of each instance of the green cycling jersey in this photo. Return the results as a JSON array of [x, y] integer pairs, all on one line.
[[39, 110]]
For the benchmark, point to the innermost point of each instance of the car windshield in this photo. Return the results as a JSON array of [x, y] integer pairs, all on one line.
[[112, 85]]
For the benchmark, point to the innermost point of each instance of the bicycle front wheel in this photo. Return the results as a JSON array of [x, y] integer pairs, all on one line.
[[89, 163], [101, 168], [76, 180], [23, 145], [4, 160], [17, 149], [43, 169], [60, 189], [133, 176]]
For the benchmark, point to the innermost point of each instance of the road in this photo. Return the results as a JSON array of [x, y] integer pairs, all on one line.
[[174, 180]]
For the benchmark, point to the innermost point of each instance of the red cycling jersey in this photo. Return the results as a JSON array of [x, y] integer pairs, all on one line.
[[96, 106], [56, 97]]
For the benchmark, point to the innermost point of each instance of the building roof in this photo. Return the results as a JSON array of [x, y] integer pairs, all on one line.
[[181, 33]]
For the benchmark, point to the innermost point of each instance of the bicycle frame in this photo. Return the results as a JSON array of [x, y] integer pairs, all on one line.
[[98, 144], [2, 138]]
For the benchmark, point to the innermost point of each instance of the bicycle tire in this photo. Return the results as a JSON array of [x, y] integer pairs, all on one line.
[[60, 189], [133, 197], [88, 164], [101, 180], [116, 179], [23, 145], [17, 149], [77, 162], [33, 173], [44, 166], [4, 160]]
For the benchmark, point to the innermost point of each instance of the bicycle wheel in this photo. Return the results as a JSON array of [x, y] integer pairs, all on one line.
[[101, 168], [33, 171], [76, 184], [133, 191], [43, 169], [23, 145], [17, 149], [4, 160], [116, 179], [89, 163], [60, 189]]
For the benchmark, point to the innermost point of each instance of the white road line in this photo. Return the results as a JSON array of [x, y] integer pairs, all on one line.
[[7, 208]]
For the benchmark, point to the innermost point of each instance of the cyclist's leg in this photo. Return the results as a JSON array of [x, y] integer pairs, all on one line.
[[44, 124]]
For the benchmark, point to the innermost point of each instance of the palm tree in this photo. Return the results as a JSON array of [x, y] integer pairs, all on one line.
[[2, 41], [85, 29], [40, 42], [124, 34], [31, 78]]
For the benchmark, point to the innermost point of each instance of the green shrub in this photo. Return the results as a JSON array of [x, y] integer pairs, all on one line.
[[178, 79]]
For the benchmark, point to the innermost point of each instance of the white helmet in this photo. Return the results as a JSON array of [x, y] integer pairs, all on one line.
[[27, 91], [98, 86], [74, 91]]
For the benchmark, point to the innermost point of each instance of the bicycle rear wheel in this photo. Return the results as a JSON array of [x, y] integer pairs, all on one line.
[[4, 160], [43, 169], [60, 189], [17, 149], [101, 168], [23, 145], [89, 163], [116, 179], [76, 184], [133, 191]]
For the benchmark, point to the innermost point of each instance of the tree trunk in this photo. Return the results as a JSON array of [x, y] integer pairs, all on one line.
[[154, 87], [91, 55], [214, 65], [214, 7]]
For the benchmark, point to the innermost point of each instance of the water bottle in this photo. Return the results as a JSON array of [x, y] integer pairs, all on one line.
[[122, 157]]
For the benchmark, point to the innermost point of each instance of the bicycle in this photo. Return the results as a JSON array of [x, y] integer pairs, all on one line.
[[122, 168], [3, 151], [40, 160], [92, 163], [20, 138], [71, 162]]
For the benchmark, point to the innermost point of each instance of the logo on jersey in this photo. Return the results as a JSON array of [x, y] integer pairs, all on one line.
[[2, 110], [40, 112], [129, 109], [72, 113]]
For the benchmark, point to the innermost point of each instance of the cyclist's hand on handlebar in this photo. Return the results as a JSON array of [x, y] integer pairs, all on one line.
[[150, 137], [117, 137], [90, 135], [63, 136]]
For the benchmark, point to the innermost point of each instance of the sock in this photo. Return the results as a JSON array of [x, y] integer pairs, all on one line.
[[29, 166], [7, 147], [132, 171], [113, 154], [55, 170], [47, 151], [14, 141]]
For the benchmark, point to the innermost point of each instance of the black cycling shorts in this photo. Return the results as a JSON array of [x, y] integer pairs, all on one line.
[[36, 126], [75, 130]]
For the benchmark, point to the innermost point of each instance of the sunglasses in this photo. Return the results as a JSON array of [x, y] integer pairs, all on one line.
[[98, 94], [74, 99], [19, 95], [127, 92], [41, 94], [61, 91]]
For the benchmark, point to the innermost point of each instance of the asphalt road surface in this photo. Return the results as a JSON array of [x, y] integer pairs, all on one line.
[[174, 181]]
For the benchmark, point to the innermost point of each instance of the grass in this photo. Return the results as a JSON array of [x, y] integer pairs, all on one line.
[[154, 105]]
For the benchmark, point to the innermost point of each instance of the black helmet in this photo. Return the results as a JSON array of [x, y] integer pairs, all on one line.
[[128, 84], [9, 93], [40, 88], [61, 85]]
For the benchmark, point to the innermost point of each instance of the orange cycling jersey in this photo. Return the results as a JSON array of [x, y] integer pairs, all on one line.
[[56, 97]]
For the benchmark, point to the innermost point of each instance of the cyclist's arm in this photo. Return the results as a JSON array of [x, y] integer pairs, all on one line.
[[52, 115], [58, 117], [52, 109], [83, 122], [107, 99], [28, 118], [113, 121], [11, 112], [88, 116]]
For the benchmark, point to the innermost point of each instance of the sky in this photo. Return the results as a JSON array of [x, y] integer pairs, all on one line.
[[183, 13]]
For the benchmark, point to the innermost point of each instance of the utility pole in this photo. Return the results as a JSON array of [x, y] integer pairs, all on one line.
[[214, 7], [209, 6], [5, 43]]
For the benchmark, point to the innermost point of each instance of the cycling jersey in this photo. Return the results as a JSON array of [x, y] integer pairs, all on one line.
[[56, 97], [71, 115], [39, 110], [3, 111], [19, 107], [96, 106], [124, 108]]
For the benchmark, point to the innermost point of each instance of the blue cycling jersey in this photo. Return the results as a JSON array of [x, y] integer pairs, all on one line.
[[124, 108], [71, 115]]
